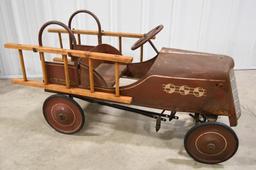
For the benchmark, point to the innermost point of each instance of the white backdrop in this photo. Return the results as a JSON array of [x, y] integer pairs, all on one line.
[[215, 26]]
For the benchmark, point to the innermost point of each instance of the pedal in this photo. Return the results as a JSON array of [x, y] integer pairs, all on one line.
[[158, 123]]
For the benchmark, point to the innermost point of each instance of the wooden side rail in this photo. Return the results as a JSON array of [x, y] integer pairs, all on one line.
[[74, 91], [117, 59], [120, 35], [76, 53], [92, 32]]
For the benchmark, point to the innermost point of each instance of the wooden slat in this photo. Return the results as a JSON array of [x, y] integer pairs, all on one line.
[[117, 92], [75, 91], [79, 39], [141, 53], [43, 67], [60, 40], [91, 75], [67, 79], [31, 83], [120, 44], [101, 56], [82, 54], [23, 69], [87, 93], [104, 33]]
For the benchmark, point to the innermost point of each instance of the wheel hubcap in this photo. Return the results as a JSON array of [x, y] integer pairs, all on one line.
[[211, 146], [62, 117], [62, 114], [211, 142]]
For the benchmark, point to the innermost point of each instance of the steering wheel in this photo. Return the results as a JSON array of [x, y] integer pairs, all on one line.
[[147, 37]]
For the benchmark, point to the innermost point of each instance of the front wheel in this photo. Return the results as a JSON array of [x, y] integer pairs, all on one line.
[[63, 114], [211, 142]]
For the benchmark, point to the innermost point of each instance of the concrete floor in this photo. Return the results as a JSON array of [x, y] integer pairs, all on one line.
[[112, 139]]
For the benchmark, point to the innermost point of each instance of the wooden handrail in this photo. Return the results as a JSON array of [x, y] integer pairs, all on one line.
[[76, 53], [104, 33]]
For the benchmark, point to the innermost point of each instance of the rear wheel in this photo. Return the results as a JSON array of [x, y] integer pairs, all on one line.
[[211, 142], [63, 114]]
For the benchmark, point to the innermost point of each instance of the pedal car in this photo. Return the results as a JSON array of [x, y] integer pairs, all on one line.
[[201, 84]]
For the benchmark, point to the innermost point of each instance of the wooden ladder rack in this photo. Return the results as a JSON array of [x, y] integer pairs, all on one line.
[[119, 35], [116, 59]]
